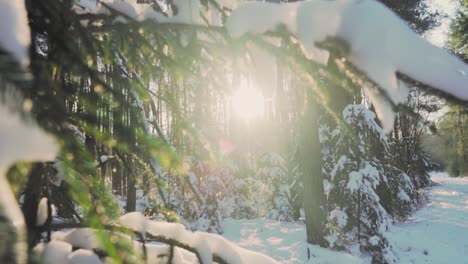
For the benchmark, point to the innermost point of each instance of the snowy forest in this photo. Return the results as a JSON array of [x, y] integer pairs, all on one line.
[[233, 131]]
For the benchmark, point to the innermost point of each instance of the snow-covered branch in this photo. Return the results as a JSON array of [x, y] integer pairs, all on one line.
[[208, 248], [381, 44], [188, 12]]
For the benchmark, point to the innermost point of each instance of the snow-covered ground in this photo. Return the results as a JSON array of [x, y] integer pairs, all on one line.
[[285, 242], [437, 233]]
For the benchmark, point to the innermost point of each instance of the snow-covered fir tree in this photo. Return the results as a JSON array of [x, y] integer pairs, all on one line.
[[282, 177], [352, 176]]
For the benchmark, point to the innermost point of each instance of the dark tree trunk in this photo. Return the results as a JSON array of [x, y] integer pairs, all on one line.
[[310, 158], [90, 143], [124, 182], [384, 193], [129, 171], [131, 194], [116, 175], [32, 196]]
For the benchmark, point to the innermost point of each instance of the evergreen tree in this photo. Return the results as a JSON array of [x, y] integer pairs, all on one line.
[[453, 127], [459, 32], [284, 184], [352, 175], [411, 125], [416, 13]]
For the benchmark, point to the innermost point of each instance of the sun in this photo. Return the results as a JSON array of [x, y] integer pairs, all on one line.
[[248, 103]]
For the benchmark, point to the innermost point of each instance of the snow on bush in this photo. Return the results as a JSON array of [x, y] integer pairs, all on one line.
[[213, 191], [402, 192], [209, 192], [403, 196], [283, 190], [340, 217]]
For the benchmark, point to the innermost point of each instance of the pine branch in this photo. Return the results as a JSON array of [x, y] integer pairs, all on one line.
[[148, 238]]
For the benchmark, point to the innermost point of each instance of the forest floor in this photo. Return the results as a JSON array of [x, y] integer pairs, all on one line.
[[437, 233]]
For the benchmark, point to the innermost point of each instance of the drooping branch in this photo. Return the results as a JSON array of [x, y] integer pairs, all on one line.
[[147, 238]]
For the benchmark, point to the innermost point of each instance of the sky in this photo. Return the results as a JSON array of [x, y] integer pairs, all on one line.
[[438, 36]]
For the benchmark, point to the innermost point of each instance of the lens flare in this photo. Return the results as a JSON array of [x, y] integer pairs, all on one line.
[[248, 103]]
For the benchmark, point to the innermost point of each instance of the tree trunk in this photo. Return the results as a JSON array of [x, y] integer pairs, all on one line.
[[32, 196], [310, 158], [129, 165], [90, 143], [116, 175], [131, 194]]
